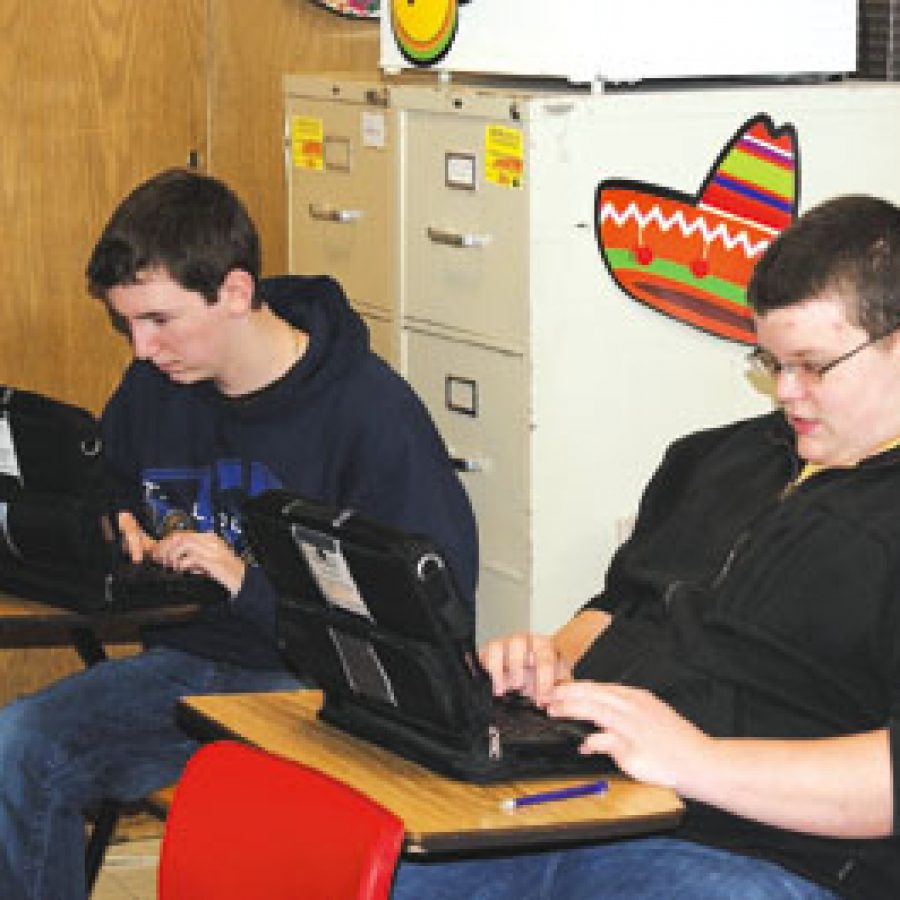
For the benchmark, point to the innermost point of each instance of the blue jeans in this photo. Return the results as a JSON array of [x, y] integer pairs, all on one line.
[[655, 868], [106, 732]]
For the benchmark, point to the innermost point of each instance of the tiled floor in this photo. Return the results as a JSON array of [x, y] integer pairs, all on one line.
[[129, 871]]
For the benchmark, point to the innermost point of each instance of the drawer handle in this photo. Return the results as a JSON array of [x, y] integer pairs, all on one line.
[[456, 238], [331, 214], [461, 464]]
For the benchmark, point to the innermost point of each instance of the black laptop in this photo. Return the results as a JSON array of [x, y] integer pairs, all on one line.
[[373, 616], [58, 538]]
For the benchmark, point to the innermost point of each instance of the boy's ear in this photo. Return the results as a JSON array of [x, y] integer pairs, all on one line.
[[236, 292]]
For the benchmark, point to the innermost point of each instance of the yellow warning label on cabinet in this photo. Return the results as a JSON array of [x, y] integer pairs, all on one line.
[[307, 143], [504, 156]]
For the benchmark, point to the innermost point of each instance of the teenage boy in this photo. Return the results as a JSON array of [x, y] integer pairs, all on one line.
[[745, 649], [237, 386]]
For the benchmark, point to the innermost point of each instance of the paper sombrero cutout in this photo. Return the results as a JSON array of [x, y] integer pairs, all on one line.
[[424, 29], [691, 257], [352, 9]]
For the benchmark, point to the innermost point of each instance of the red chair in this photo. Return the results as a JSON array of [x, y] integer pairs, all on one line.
[[245, 823]]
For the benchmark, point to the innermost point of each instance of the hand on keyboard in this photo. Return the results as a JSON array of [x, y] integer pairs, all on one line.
[[202, 553], [528, 663], [517, 712]]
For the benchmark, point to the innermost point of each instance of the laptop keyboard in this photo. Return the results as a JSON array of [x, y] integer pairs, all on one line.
[[149, 583], [519, 721]]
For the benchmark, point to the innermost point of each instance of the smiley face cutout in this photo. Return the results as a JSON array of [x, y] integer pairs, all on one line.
[[424, 29]]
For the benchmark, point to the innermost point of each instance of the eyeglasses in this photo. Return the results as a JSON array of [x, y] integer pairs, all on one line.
[[766, 364]]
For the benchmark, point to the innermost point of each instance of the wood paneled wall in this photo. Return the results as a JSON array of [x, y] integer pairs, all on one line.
[[90, 106], [96, 95]]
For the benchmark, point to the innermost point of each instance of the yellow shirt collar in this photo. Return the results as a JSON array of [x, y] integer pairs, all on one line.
[[809, 469]]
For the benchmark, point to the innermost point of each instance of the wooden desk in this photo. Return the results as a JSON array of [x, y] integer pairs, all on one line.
[[440, 815], [17, 612], [33, 623]]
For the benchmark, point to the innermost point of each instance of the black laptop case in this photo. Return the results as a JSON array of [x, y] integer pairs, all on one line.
[[373, 616], [48, 446], [58, 537]]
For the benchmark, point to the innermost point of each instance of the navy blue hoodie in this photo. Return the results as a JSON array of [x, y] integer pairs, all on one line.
[[341, 427]]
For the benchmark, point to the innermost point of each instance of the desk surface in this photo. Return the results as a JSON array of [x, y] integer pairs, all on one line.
[[18, 610], [440, 815], [29, 623]]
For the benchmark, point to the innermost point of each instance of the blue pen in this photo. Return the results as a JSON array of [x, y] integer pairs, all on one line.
[[578, 790]]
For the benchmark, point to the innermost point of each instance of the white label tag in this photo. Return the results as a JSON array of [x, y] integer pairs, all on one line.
[[332, 575], [374, 131], [9, 462]]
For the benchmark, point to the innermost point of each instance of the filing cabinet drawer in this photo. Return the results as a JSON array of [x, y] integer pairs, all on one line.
[[464, 238], [478, 398], [340, 159]]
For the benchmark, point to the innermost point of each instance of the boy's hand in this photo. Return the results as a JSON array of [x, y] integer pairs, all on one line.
[[136, 543]]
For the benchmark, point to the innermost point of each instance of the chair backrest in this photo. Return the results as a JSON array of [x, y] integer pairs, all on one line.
[[245, 823]]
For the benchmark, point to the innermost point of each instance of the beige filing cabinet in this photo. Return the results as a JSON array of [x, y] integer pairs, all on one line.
[[340, 160], [555, 390]]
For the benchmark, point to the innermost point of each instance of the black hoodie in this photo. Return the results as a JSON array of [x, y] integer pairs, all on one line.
[[760, 612], [341, 427]]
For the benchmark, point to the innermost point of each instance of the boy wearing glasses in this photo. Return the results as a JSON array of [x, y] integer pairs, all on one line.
[[745, 649]]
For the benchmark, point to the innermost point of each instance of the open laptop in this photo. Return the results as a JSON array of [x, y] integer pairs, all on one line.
[[373, 616], [58, 538]]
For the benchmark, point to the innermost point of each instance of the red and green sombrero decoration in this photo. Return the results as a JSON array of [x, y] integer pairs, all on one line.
[[424, 29], [691, 256]]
